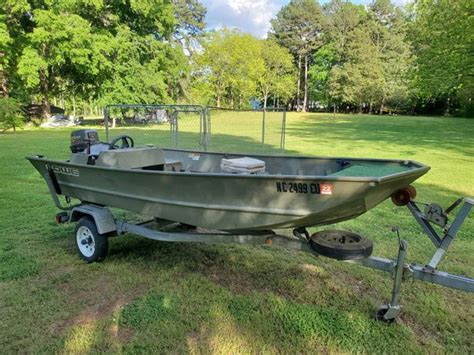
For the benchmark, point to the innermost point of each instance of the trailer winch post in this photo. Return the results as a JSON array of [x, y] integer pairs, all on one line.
[[442, 243]]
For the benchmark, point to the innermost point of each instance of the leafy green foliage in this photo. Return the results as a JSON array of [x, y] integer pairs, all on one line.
[[371, 54], [235, 67], [189, 16], [298, 26], [10, 117], [378, 58], [231, 62], [277, 76], [442, 35], [101, 50]]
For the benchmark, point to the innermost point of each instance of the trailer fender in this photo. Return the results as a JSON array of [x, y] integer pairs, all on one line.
[[102, 216]]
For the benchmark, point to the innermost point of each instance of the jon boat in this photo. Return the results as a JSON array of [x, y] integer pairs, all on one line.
[[198, 189], [240, 199]]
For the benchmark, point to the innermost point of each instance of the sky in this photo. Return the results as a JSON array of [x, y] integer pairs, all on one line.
[[250, 15]]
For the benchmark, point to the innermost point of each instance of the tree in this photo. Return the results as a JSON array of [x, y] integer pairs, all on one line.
[[360, 79], [323, 61], [389, 36], [298, 27], [58, 48], [442, 35], [5, 43], [86, 47], [13, 24], [372, 57], [341, 19], [189, 15], [10, 114], [277, 76], [232, 63]]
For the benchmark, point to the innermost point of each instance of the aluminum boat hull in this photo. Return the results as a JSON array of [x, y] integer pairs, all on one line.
[[222, 201]]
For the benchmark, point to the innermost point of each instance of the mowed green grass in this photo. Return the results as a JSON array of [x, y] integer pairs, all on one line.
[[170, 297]]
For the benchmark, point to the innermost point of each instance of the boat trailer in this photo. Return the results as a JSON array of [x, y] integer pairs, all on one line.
[[95, 221]]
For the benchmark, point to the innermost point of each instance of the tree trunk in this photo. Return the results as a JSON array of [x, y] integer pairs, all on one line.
[[299, 84], [91, 107], [44, 89], [3, 78], [74, 105], [3, 85], [218, 101], [305, 99], [265, 99]]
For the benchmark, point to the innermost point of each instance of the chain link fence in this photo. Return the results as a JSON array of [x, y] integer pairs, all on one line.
[[253, 131], [199, 127]]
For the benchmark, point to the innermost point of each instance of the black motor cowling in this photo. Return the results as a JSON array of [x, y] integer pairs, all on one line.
[[83, 139]]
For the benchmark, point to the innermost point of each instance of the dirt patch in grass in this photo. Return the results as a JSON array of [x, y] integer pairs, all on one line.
[[121, 334], [98, 301]]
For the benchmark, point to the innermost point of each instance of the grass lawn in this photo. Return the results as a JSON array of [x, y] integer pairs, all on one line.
[[158, 297]]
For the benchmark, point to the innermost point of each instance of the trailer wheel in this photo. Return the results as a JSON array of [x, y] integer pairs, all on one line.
[[380, 313], [91, 245], [341, 245]]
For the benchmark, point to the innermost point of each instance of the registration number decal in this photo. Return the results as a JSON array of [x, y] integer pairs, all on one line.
[[304, 188]]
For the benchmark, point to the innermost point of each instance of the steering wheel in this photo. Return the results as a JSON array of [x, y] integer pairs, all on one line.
[[127, 142]]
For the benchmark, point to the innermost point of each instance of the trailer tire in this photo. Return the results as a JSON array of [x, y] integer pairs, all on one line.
[[341, 245], [91, 245], [380, 313]]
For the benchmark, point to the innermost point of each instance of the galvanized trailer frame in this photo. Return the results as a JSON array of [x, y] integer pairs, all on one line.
[[400, 270]]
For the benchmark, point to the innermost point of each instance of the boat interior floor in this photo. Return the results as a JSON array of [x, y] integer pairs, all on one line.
[[157, 159]]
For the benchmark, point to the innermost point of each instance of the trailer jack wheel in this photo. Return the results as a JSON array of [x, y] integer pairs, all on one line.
[[91, 245], [387, 314]]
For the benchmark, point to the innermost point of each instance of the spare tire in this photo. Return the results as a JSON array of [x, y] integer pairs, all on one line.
[[341, 245]]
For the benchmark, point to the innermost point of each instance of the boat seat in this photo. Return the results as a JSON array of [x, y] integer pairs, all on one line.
[[243, 165], [131, 158]]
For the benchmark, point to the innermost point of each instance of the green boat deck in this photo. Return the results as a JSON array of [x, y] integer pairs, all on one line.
[[368, 169]]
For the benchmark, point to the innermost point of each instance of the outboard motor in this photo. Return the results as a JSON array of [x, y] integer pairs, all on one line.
[[82, 140]]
